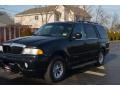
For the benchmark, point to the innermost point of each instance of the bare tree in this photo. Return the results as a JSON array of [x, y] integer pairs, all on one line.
[[101, 16], [88, 8], [47, 15], [114, 20]]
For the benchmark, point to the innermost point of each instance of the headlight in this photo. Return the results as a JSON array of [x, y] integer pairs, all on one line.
[[1, 48], [32, 51]]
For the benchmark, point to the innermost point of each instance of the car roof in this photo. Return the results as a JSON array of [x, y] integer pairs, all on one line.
[[89, 22], [65, 22]]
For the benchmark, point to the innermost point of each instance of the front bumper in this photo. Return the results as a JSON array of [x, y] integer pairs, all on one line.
[[36, 64], [107, 51]]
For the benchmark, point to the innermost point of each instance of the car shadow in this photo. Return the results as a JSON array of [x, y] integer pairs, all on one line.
[[91, 72], [21, 81], [73, 77], [88, 75], [110, 57]]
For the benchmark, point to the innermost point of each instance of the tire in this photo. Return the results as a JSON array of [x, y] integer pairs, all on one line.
[[56, 70], [101, 57]]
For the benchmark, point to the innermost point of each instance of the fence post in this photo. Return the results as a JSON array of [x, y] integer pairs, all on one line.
[[0, 36], [4, 34], [19, 32], [14, 32], [9, 32]]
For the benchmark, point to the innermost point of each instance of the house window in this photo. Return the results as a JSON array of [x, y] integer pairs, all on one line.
[[36, 17]]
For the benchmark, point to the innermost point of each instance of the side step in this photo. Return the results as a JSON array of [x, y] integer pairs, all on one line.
[[84, 64]]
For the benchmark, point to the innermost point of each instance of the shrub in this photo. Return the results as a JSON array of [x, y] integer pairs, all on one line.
[[114, 35], [25, 32]]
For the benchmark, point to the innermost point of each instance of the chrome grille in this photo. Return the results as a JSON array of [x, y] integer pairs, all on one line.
[[12, 48]]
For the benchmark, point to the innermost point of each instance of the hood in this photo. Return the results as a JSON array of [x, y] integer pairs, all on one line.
[[32, 40]]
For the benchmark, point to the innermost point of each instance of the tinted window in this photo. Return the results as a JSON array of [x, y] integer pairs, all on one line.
[[102, 31], [78, 28], [55, 29], [90, 31]]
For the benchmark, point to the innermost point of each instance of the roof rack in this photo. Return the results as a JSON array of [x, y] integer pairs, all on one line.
[[87, 22]]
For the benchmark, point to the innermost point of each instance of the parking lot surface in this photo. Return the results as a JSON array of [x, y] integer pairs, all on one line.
[[108, 74]]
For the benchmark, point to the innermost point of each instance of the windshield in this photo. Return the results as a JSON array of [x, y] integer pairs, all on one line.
[[55, 29]]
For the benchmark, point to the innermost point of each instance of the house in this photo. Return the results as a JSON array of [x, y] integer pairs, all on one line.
[[5, 19], [41, 15]]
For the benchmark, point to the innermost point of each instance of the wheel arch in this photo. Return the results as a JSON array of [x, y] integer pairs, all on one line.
[[61, 53], [103, 50]]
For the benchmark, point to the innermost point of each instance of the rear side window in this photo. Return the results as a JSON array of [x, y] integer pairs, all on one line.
[[101, 30], [90, 31]]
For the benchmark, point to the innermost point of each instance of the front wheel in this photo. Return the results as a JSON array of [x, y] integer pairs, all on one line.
[[56, 70], [101, 57]]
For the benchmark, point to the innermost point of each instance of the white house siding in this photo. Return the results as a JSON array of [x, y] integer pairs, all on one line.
[[2, 24], [60, 9], [30, 20], [71, 16]]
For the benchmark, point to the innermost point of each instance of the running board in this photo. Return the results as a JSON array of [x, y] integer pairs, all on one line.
[[85, 64]]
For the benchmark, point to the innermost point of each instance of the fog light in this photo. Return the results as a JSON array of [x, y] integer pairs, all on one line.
[[26, 65]]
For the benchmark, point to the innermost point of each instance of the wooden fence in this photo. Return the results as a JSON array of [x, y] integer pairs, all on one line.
[[14, 31]]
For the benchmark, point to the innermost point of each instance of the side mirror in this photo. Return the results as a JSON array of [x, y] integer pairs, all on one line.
[[77, 36]]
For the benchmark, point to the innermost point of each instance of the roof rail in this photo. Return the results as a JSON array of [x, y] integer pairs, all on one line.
[[87, 22]]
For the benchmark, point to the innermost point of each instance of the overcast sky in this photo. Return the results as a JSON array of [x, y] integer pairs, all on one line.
[[14, 9]]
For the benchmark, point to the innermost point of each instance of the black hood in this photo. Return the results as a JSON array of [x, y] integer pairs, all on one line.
[[32, 40]]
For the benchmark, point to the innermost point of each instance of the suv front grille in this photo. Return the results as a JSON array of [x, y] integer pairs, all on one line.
[[13, 49], [6, 49]]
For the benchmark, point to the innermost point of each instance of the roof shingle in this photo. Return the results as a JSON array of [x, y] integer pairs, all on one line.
[[38, 10], [50, 8]]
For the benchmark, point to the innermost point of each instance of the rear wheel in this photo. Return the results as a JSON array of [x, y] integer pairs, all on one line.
[[56, 70]]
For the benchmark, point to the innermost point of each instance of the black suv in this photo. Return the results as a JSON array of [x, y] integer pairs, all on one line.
[[56, 48]]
